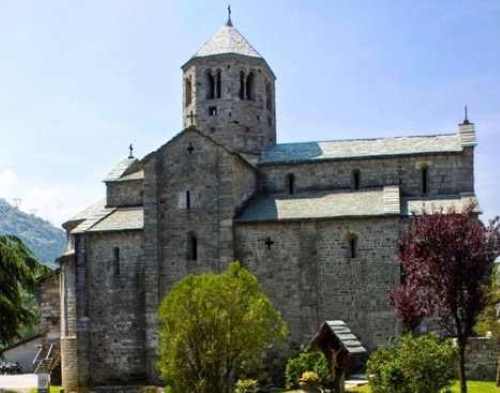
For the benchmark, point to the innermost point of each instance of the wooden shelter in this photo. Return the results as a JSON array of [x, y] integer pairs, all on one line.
[[342, 349]]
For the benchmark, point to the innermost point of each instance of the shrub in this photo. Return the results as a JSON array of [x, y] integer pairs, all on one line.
[[214, 328], [413, 365], [303, 362], [246, 386]]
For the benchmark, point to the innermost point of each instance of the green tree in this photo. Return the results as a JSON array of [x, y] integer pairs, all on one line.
[[214, 329], [18, 273]]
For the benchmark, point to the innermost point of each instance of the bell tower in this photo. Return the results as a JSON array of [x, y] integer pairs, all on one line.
[[229, 92]]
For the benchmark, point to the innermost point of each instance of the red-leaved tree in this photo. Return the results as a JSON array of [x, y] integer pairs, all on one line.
[[446, 259]]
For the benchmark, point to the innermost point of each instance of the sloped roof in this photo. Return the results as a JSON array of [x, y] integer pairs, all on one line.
[[354, 148], [227, 40], [89, 211], [120, 169], [314, 205], [340, 332], [436, 204], [121, 219]]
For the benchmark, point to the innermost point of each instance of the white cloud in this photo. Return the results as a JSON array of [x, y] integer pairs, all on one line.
[[53, 202]]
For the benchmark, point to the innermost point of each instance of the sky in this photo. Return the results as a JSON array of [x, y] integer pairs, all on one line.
[[81, 80]]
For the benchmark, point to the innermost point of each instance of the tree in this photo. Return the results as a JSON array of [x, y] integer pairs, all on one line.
[[18, 273], [488, 321], [447, 260], [214, 329]]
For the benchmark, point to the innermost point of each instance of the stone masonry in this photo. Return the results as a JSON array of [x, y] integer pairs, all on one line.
[[317, 222]]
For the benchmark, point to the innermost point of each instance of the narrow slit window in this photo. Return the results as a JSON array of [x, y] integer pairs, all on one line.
[[210, 86], [212, 111], [189, 89], [356, 179], [192, 249], [291, 183], [250, 86], [269, 96], [353, 247], [424, 172], [116, 261], [188, 199], [218, 91], [242, 85]]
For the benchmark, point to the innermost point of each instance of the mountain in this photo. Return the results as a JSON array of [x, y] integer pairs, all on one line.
[[44, 240]]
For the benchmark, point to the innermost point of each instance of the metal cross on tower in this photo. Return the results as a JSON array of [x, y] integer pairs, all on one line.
[[131, 152]]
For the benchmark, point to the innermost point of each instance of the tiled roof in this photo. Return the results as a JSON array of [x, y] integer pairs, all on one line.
[[95, 216], [340, 149], [326, 204], [436, 204], [89, 211], [227, 40], [138, 175], [119, 170], [121, 219]]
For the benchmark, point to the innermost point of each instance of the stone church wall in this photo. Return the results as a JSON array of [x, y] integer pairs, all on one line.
[[310, 278], [116, 304], [448, 174], [218, 182], [124, 193]]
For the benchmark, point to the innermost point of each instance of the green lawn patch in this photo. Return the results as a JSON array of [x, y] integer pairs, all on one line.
[[473, 387]]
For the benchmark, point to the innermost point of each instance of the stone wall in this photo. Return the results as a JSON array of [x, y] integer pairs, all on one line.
[[115, 309], [483, 355], [124, 193], [447, 174], [49, 300], [309, 276], [240, 124]]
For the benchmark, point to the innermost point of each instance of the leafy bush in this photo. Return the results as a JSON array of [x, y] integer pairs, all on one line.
[[303, 362], [413, 365], [246, 386], [214, 328]]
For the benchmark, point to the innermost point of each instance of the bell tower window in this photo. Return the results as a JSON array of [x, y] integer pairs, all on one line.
[[250, 86], [218, 84], [210, 85], [269, 96], [188, 91], [242, 85]]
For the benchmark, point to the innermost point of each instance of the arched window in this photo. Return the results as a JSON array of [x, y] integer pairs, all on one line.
[[218, 84], [290, 180], [116, 261], [210, 85], [250, 86], [269, 96], [424, 173], [356, 179], [188, 91], [192, 247], [353, 246], [242, 85]]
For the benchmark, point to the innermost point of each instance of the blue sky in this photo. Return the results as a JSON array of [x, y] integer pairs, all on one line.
[[80, 80]]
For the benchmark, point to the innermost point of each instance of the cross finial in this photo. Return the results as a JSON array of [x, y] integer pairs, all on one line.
[[229, 21], [131, 152], [466, 118]]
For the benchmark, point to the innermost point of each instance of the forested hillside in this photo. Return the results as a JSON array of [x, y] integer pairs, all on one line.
[[44, 240]]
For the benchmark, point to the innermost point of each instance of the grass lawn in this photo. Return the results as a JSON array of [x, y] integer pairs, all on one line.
[[473, 387], [53, 389]]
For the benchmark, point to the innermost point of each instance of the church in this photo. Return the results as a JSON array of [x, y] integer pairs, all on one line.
[[318, 223]]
